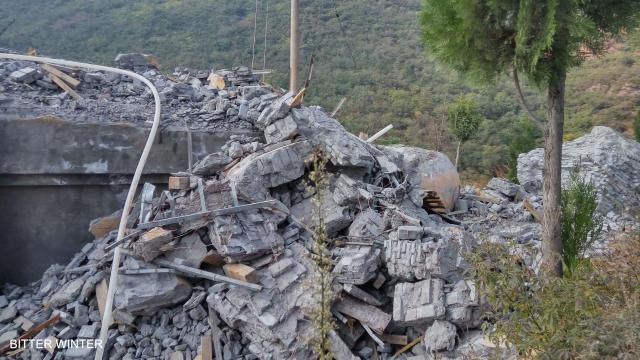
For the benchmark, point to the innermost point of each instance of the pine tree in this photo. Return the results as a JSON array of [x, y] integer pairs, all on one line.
[[539, 38]]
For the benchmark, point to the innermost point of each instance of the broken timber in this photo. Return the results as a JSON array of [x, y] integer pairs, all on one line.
[[206, 214], [206, 274]]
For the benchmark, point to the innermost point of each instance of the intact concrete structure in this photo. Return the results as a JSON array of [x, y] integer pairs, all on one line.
[[56, 176]]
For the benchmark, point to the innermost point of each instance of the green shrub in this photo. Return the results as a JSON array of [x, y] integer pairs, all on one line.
[[593, 314], [581, 223]]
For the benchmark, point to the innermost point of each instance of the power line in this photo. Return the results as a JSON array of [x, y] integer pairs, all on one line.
[[266, 27], [255, 28]]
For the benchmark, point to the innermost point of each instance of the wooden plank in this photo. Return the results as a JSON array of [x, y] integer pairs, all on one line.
[[408, 346], [65, 87], [33, 331], [66, 78], [241, 272], [395, 339], [206, 344], [101, 296], [205, 274]]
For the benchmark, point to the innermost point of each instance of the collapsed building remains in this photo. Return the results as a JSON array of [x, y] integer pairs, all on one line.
[[222, 264]]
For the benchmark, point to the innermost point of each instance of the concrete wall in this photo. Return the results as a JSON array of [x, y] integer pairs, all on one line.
[[55, 177]]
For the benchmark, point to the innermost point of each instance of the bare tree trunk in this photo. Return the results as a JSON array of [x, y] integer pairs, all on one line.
[[458, 153], [552, 186]]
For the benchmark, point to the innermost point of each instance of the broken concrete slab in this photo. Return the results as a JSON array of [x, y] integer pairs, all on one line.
[[258, 172], [441, 335], [367, 226], [335, 217], [247, 235], [348, 192], [434, 254], [373, 317], [357, 264], [342, 147], [190, 249], [143, 294], [276, 110], [274, 319], [419, 303], [504, 187], [281, 130], [68, 293], [604, 157], [211, 164], [461, 302]]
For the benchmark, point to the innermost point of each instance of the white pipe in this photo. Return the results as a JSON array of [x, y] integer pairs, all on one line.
[[113, 279], [375, 136]]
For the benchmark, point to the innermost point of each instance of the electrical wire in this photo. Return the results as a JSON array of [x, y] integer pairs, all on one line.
[[113, 278], [255, 29]]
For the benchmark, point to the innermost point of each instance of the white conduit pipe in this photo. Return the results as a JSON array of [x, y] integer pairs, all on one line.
[[113, 279]]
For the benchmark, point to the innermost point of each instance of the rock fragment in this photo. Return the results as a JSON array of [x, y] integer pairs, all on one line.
[[143, 294], [419, 303]]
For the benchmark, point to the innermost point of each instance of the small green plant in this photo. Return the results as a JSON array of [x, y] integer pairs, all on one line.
[[593, 314], [581, 223], [524, 139], [322, 287], [464, 120]]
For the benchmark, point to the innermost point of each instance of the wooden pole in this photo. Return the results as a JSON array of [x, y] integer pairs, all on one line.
[[293, 48]]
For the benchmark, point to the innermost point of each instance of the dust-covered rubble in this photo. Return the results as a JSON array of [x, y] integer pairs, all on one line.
[[225, 261]]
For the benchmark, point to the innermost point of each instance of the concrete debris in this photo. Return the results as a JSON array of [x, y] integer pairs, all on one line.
[[367, 314], [281, 130], [224, 261], [357, 264], [415, 252], [247, 235], [419, 303], [336, 217], [144, 294], [259, 172], [211, 164], [440, 336], [342, 147]]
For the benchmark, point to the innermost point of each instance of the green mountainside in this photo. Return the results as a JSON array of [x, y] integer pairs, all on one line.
[[368, 51]]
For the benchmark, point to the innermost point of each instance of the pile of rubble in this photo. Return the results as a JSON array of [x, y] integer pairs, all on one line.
[[196, 99], [222, 264]]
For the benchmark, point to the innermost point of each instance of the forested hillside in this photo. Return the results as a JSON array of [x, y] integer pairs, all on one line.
[[368, 51]]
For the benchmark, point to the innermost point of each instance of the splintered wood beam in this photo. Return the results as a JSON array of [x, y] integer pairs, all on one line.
[[32, 332], [65, 87], [73, 82]]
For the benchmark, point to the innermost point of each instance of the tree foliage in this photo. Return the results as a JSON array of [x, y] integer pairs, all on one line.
[[464, 118], [540, 38]]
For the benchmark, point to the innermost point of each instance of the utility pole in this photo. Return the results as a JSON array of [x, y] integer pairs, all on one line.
[[293, 48]]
